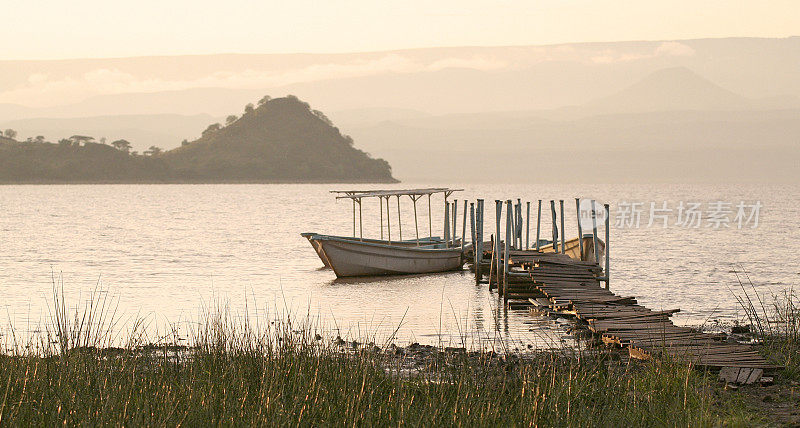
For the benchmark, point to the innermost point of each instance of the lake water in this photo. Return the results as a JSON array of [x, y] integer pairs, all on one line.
[[165, 252]]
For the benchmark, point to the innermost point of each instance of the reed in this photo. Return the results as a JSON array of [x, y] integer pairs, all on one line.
[[775, 322], [237, 373]]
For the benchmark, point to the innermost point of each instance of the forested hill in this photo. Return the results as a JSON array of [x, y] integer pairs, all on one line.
[[280, 140]]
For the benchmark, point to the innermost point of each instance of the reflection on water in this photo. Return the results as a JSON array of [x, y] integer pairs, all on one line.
[[167, 251]]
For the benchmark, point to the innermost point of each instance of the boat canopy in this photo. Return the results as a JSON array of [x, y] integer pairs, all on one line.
[[413, 194], [358, 194]]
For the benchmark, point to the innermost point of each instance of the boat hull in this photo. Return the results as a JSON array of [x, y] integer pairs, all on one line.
[[354, 258], [317, 248], [407, 243]]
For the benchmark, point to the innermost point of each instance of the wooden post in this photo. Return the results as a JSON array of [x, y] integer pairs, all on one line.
[[515, 226], [528, 226], [472, 224], [464, 228], [519, 225], [563, 244], [555, 224], [499, 212], [479, 239], [608, 239], [399, 220], [506, 250], [354, 217], [594, 234], [521, 220], [580, 230], [538, 223], [492, 263], [513, 215], [380, 202]]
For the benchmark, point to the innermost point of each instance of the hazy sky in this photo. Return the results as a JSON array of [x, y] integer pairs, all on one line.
[[50, 29]]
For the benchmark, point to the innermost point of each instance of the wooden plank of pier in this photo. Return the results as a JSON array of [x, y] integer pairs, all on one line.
[[556, 283]]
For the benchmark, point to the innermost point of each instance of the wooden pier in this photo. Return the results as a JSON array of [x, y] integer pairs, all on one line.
[[556, 281]]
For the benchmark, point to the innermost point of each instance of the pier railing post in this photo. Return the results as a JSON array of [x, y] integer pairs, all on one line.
[[472, 224], [478, 240], [513, 215], [528, 226], [520, 222], [555, 224], [518, 225], [538, 223], [580, 230], [608, 239], [563, 234], [594, 234], [492, 264], [506, 250], [499, 212]]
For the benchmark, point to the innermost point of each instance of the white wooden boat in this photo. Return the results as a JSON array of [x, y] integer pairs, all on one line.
[[406, 243], [348, 257]]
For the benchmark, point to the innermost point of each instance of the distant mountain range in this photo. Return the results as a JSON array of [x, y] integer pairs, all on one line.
[[282, 140], [631, 106]]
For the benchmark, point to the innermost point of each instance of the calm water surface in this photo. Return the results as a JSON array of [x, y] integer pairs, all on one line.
[[164, 252]]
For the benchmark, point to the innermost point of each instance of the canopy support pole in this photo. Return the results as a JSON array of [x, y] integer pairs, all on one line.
[[416, 224], [454, 221], [430, 219], [399, 220], [388, 221], [464, 227], [360, 223], [446, 224]]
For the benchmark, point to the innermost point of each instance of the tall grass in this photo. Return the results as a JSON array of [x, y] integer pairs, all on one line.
[[775, 321], [237, 373]]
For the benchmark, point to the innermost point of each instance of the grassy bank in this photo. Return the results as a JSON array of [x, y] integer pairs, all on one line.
[[236, 376], [235, 373]]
